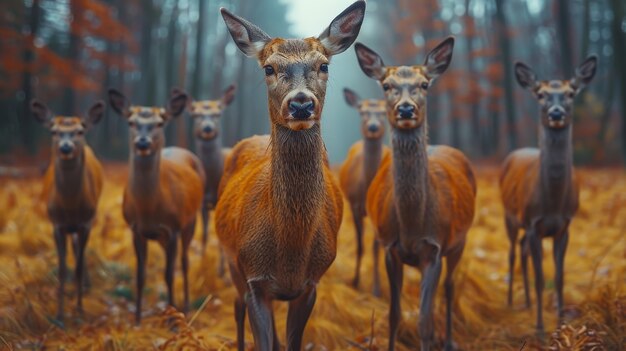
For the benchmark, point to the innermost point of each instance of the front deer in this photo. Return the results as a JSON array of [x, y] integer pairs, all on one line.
[[71, 189], [164, 190], [359, 169], [421, 200], [538, 186], [206, 116], [280, 209]]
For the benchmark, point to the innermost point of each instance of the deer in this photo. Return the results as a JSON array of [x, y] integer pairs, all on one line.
[[421, 200], [72, 185], [538, 186], [279, 207], [206, 116], [360, 167], [164, 190]]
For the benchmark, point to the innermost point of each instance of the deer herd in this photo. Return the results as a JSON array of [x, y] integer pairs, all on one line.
[[278, 206]]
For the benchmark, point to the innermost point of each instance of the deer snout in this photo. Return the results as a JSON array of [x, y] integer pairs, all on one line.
[[66, 148], [373, 128], [207, 128], [142, 143], [556, 114], [406, 110], [301, 106]]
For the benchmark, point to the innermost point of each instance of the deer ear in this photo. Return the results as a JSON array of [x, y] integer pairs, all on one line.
[[249, 38], [40, 111], [344, 29], [119, 103], [229, 95], [95, 113], [584, 73], [525, 76], [351, 97], [370, 62], [439, 58], [177, 105]]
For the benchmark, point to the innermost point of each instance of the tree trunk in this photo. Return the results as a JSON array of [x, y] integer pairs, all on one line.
[[564, 30], [619, 45], [25, 122], [69, 100], [143, 86], [505, 47], [198, 65], [472, 85]]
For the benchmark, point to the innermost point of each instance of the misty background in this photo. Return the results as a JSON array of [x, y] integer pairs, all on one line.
[[67, 53]]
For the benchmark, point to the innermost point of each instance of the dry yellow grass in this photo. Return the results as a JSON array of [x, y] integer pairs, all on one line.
[[343, 318]]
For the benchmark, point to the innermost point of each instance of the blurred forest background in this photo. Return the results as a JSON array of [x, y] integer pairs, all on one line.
[[68, 52]]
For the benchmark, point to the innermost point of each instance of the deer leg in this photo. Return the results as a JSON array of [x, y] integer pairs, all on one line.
[[452, 260], [523, 247], [276, 342], [297, 317], [430, 277], [260, 315], [559, 249], [376, 283], [170, 263], [79, 251], [534, 241], [61, 245], [394, 266], [512, 231], [184, 258], [205, 221], [240, 306], [141, 251], [357, 217]]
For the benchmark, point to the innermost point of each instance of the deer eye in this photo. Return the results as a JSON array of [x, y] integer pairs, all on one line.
[[80, 132], [269, 70], [425, 85], [131, 124], [570, 94], [386, 87], [159, 125], [324, 67], [540, 96]]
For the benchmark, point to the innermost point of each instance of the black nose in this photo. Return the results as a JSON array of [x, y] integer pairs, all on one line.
[[373, 128], [142, 144], [207, 129], [406, 110], [66, 149], [301, 106], [556, 115]]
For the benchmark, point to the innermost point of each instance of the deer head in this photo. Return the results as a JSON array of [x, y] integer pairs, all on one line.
[[373, 113], [146, 123], [296, 70], [406, 87], [556, 97], [206, 114], [68, 133]]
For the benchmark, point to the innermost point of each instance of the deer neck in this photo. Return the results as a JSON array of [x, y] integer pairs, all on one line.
[[69, 175], [297, 177], [410, 178], [556, 165], [373, 148], [210, 153], [144, 175]]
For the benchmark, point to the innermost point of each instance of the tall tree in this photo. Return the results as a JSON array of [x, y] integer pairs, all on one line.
[[198, 63], [75, 34], [619, 47], [27, 124], [565, 39], [502, 31]]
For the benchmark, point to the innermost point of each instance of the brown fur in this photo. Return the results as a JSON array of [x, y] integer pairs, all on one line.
[[164, 190], [538, 186], [358, 170], [279, 207], [422, 198], [72, 186]]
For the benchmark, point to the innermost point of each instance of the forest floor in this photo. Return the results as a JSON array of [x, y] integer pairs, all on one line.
[[343, 318]]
